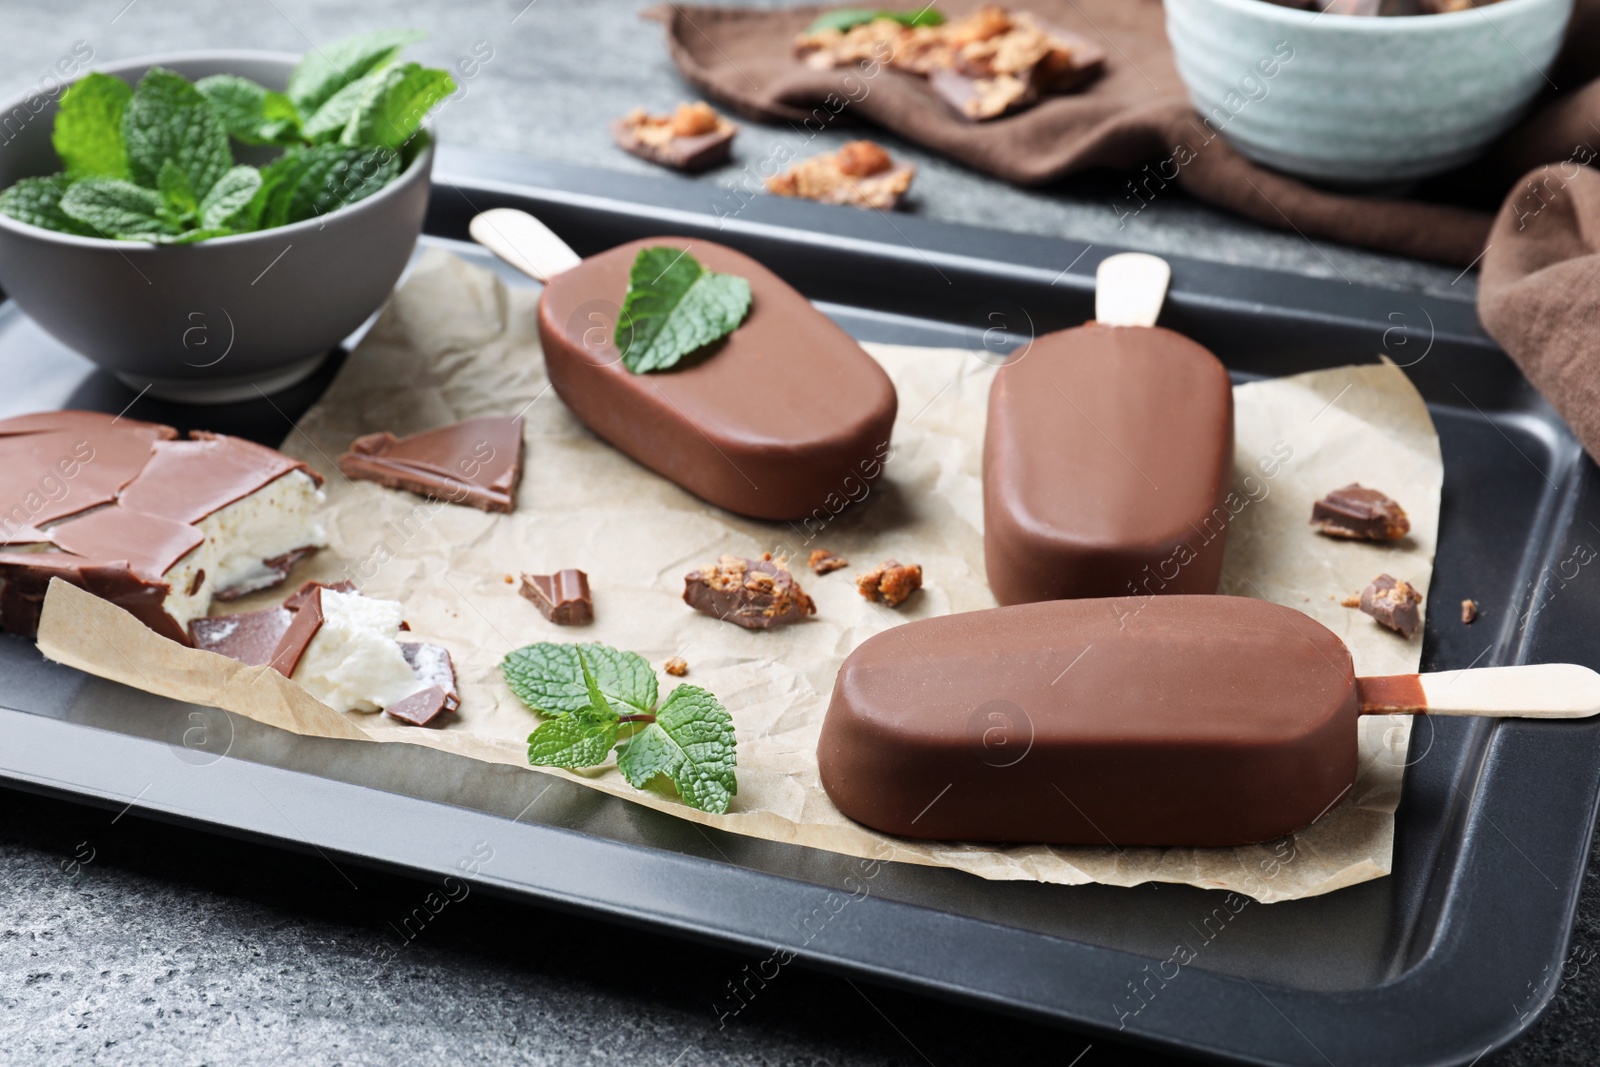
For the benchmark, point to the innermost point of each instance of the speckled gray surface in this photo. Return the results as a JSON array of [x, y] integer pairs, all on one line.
[[128, 942]]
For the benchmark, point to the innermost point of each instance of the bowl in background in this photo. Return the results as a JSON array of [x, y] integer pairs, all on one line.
[[1363, 101], [218, 320]]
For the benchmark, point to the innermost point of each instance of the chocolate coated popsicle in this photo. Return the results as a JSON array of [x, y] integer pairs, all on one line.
[[1200, 720], [1107, 460], [784, 416]]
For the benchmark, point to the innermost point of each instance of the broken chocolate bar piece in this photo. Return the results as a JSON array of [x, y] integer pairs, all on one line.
[[861, 174], [562, 597], [477, 462], [251, 637], [824, 562], [890, 581], [161, 527], [421, 708], [757, 594], [1393, 603], [1360, 514], [677, 666], [692, 139]]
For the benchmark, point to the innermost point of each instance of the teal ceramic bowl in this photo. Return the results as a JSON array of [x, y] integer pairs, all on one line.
[[1359, 101]]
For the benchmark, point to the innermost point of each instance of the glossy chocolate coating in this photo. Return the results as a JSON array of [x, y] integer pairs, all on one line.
[[1197, 720], [1107, 458], [477, 462], [784, 416]]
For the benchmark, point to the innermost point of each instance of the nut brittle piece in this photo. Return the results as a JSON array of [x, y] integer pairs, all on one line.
[[860, 174], [757, 594]]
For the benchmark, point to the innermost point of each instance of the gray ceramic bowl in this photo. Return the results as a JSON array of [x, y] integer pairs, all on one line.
[[1362, 101], [215, 321]]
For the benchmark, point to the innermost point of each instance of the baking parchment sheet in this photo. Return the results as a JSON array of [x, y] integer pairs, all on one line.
[[456, 343]]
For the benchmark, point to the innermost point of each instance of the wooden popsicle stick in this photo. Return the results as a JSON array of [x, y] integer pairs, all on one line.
[[1531, 691], [1129, 289], [524, 242]]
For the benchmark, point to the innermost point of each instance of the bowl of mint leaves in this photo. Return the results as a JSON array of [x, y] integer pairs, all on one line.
[[210, 225]]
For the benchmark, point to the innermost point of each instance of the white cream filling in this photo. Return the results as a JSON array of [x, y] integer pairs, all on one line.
[[354, 662], [180, 603], [275, 520]]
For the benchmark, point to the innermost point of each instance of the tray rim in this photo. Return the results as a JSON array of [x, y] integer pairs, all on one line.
[[1411, 994]]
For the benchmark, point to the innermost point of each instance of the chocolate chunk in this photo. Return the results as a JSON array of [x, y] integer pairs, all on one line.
[[824, 562], [1469, 612], [757, 594], [305, 621], [420, 708], [890, 581], [1393, 603], [432, 664], [693, 139], [860, 174], [251, 637], [677, 666], [562, 597], [477, 462], [1360, 514]]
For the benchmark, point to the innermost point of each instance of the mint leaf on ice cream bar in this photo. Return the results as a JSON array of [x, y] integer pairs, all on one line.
[[674, 307]]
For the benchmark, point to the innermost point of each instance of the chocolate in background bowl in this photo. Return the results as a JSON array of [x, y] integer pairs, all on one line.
[[1364, 101], [215, 321]]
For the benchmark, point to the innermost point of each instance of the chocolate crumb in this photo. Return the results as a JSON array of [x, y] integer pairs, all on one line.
[[510, 580], [825, 562], [1360, 514], [1469, 612], [757, 594], [1393, 603], [890, 581], [676, 666], [1351, 601]]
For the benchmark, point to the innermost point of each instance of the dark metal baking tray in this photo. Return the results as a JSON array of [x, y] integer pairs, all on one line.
[[1449, 957]]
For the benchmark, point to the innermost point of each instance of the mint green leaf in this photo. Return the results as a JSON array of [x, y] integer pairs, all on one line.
[[331, 176], [326, 70], [847, 18], [549, 678], [581, 740], [178, 204], [169, 119], [37, 201], [675, 306], [394, 109], [88, 129], [188, 237], [229, 197], [116, 208], [251, 113], [328, 122], [692, 743]]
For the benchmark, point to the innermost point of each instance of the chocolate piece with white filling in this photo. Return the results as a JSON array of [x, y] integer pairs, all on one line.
[[691, 139], [159, 526], [562, 597], [1357, 513], [1393, 603], [477, 462], [757, 594]]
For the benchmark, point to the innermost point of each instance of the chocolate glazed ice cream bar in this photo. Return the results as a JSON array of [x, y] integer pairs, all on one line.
[[781, 416], [1181, 721], [1108, 455], [157, 525]]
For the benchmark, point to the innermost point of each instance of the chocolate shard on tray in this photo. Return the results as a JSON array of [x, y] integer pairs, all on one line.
[[890, 581], [562, 597], [157, 525], [477, 462], [1357, 513], [781, 418], [757, 594], [1393, 603], [1181, 721], [691, 139], [861, 174], [1107, 467]]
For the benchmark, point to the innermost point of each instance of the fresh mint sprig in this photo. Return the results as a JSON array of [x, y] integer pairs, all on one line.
[[845, 19], [155, 162], [674, 307], [597, 698]]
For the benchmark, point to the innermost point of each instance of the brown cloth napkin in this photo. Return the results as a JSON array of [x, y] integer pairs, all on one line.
[[1541, 263]]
